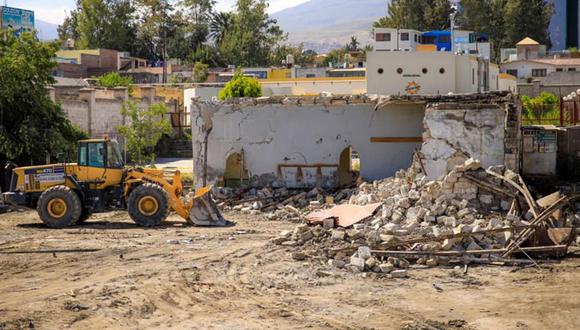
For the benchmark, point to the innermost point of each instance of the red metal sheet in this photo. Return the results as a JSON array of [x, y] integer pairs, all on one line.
[[345, 214]]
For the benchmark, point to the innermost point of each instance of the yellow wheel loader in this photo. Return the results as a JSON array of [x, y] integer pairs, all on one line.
[[68, 193]]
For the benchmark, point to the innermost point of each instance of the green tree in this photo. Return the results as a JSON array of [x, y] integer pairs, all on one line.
[[335, 58], [200, 72], [506, 21], [301, 57], [528, 18], [422, 15], [221, 24], [102, 24], [253, 35], [31, 125], [241, 86], [146, 128], [353, 45]]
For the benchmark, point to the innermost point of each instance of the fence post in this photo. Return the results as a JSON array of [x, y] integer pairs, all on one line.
[[575, 113], [561, 112]]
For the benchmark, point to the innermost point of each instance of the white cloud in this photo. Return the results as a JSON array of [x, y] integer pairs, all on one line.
[[275, 5]]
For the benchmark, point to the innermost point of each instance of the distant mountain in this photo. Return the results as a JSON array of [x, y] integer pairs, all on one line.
[[46, 31], [323, 25]]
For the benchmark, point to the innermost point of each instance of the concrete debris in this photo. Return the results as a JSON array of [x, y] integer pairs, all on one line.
[[435, 222]]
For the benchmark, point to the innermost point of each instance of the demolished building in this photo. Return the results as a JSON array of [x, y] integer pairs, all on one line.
[[311, 141]]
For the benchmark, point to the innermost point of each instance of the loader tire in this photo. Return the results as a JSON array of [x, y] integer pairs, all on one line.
[[148, 205], [59, 207]]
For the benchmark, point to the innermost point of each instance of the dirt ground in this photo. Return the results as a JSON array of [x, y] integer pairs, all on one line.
[[124, 276]]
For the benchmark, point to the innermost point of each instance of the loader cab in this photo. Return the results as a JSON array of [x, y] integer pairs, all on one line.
[[100, 153], [99, 161]]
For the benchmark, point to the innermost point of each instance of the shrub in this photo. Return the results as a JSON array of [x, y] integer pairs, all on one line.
[[241, 86]]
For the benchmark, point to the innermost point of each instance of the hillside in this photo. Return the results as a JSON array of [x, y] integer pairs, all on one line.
[[46, 31], [323, 25]]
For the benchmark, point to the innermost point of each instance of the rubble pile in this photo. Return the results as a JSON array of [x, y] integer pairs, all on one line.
[[466, 210], [280, 203]]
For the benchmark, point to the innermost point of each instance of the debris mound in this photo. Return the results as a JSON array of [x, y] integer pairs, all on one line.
[[468, 214]]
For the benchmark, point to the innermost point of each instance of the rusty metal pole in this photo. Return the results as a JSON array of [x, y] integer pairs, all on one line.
[[561, 112], [575, 113]]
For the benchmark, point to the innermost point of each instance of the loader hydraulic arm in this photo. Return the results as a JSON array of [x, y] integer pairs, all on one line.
[[174, 189]]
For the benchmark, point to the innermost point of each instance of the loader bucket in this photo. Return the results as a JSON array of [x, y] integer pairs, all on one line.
[[204, 211]]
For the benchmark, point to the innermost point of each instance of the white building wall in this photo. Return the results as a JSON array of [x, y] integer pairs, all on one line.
[[309, 134], [314, 87], [443, 73]]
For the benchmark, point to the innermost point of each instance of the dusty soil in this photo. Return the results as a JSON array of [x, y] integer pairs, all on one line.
[[124, 276]]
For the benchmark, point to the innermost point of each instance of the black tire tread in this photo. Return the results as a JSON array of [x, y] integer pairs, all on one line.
[[73, 204], [148, 189]]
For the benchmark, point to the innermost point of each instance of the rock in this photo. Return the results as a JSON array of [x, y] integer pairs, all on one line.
[[474, 247], [336, 263], [357, 262], [328, 223], [447, 244], [305, 236], [386, 268], [401, 273], [299, 256], [486, 199], [431, 262], [364, 252], [338, 235], [371, 262], [279, 240], [354, 234]]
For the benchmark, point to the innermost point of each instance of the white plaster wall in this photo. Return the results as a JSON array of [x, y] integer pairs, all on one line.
[[466, 74], [465, 133], [106, 116], [392, 83], [525, 68], [310, 134], [313, 87]]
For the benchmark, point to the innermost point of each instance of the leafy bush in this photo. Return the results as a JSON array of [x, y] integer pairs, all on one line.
[[241, 86], [114, 79], [541, 108], [200, 72]]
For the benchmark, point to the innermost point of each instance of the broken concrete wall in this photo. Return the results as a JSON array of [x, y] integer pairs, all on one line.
[[457, 132], [297, 142], [299, 145]]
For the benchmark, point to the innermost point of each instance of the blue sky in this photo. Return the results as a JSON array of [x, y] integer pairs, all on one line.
[[54, 11]]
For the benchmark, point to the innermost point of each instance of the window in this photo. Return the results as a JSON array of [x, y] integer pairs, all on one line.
[[442, 71], [559, 70], [96, 154], [405, 36], [425, 70], [572, 69], [380, 70], [310, 75], [539, 72], [428, 40], [114, 159], [416, 38], [383, 37], [400, 71], [82, 161], [473, 76], [512, 72]]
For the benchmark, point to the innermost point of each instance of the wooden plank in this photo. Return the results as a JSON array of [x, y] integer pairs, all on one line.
[[396, 139], [470, 252]]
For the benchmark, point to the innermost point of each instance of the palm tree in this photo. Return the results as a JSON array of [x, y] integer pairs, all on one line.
[[220, 24]]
